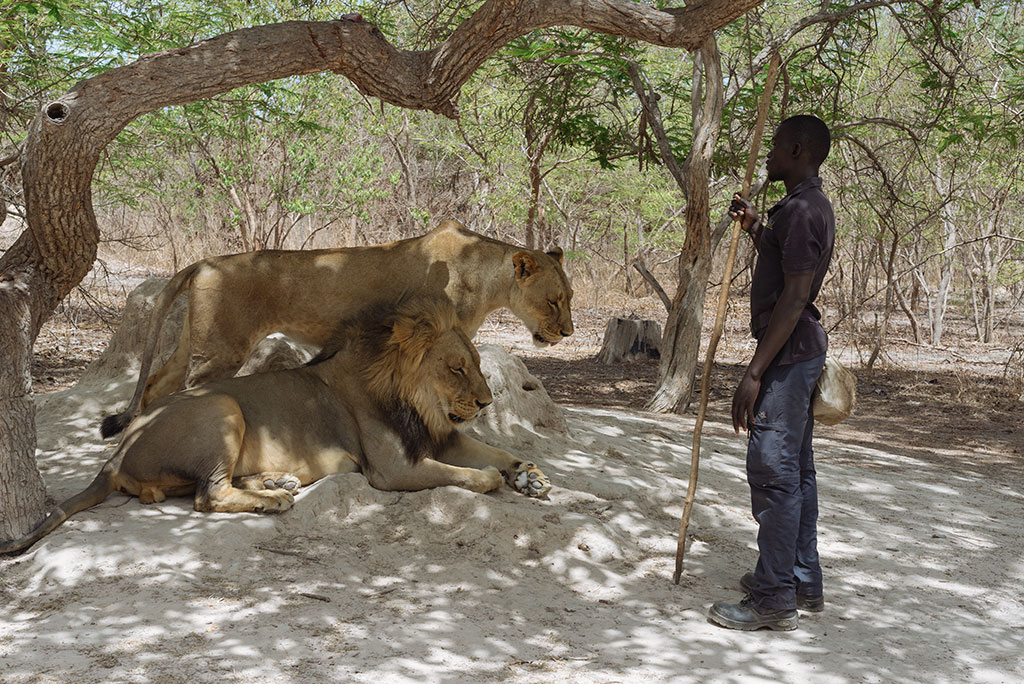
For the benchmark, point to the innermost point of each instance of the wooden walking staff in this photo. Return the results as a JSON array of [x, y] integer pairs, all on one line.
[[723, 300]]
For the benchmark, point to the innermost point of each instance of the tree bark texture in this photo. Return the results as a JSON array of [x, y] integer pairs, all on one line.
[[66, 139], [22, 493]]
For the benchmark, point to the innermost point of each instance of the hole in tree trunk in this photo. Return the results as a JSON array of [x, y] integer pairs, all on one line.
[[57, 112]]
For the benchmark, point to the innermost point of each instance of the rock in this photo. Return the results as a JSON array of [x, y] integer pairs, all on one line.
[[522, 411], [125, 347], [275, 352]]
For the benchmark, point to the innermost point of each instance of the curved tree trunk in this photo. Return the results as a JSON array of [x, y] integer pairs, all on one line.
[[66, 139]]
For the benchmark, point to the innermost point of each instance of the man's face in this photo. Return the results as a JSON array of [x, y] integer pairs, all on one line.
[[780, 156]]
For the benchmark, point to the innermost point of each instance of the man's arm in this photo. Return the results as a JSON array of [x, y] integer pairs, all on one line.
[[796, 291]]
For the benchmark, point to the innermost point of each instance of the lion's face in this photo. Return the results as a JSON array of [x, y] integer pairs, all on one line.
[[450, 390], [544, 296], [430, 364]]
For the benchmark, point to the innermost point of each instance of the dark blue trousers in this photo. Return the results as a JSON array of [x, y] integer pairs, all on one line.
[[783, 489]]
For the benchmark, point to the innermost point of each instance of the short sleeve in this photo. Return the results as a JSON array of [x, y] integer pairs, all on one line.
[[800, 234]]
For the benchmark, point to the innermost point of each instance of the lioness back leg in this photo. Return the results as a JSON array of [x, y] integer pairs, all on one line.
[[221, 365], [221, 335]]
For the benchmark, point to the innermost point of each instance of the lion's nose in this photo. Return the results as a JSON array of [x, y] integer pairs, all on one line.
[[482, 404]]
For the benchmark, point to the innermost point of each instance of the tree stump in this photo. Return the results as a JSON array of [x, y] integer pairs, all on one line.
[[630, 339]]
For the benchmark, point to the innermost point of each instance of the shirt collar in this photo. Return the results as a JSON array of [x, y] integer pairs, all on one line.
[[804, 185]]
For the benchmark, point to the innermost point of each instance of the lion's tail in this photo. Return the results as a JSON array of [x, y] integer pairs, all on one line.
[[95, 493], [116, 423]]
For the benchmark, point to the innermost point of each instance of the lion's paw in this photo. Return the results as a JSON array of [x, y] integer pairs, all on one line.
[[287, 482], [526, 478], [274, 501], [268, 482]]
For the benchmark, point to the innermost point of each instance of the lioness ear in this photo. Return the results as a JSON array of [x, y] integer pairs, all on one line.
[[525, 263], [555, 253]]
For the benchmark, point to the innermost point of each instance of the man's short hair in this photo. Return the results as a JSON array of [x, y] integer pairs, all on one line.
[[812, 133]]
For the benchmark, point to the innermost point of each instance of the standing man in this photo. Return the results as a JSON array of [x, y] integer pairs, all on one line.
[[773, 400]]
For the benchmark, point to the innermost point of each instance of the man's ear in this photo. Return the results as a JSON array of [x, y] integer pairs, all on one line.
[[555, 253], [525, 265]]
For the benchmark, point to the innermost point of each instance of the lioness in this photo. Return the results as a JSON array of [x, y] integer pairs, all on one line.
[[385, 397], [235, 301]]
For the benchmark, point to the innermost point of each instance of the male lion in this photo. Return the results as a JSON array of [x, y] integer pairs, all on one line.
[[235, 301], [385, 397]]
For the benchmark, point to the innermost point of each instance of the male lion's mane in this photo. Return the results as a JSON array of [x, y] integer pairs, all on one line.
[[387, 342], [417, 439]]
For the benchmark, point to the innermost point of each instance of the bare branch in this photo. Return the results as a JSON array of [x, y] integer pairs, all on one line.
[[649, 101], [653, 282], [880, 121], [773, 45]]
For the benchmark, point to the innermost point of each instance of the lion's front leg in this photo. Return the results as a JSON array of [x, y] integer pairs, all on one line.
[[523, 476], [388, 468], [429, 473]]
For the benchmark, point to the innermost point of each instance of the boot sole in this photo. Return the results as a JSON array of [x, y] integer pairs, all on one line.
[[783, 625]]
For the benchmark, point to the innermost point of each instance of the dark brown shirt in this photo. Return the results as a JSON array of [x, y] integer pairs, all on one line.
[[797, 239]]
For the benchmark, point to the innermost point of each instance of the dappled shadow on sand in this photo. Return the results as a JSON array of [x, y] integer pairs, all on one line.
[[359, 585], [935, 414]]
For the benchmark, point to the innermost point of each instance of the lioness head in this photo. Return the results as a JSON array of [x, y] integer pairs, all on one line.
[[543, 295], [430, 364]]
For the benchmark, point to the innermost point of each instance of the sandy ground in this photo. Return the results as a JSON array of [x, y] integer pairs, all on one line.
[[923, 571]]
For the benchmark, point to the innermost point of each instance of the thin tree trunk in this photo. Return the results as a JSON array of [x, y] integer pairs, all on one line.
[[949, 231], [883, 328], [901, 299], [246, 220], [536, 146], [989, 276], [681, 341], [680, 347]]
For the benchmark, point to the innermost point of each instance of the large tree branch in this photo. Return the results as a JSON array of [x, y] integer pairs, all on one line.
[[66, 139]]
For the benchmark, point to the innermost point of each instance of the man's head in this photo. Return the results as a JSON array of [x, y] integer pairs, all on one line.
[[800, 145]]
